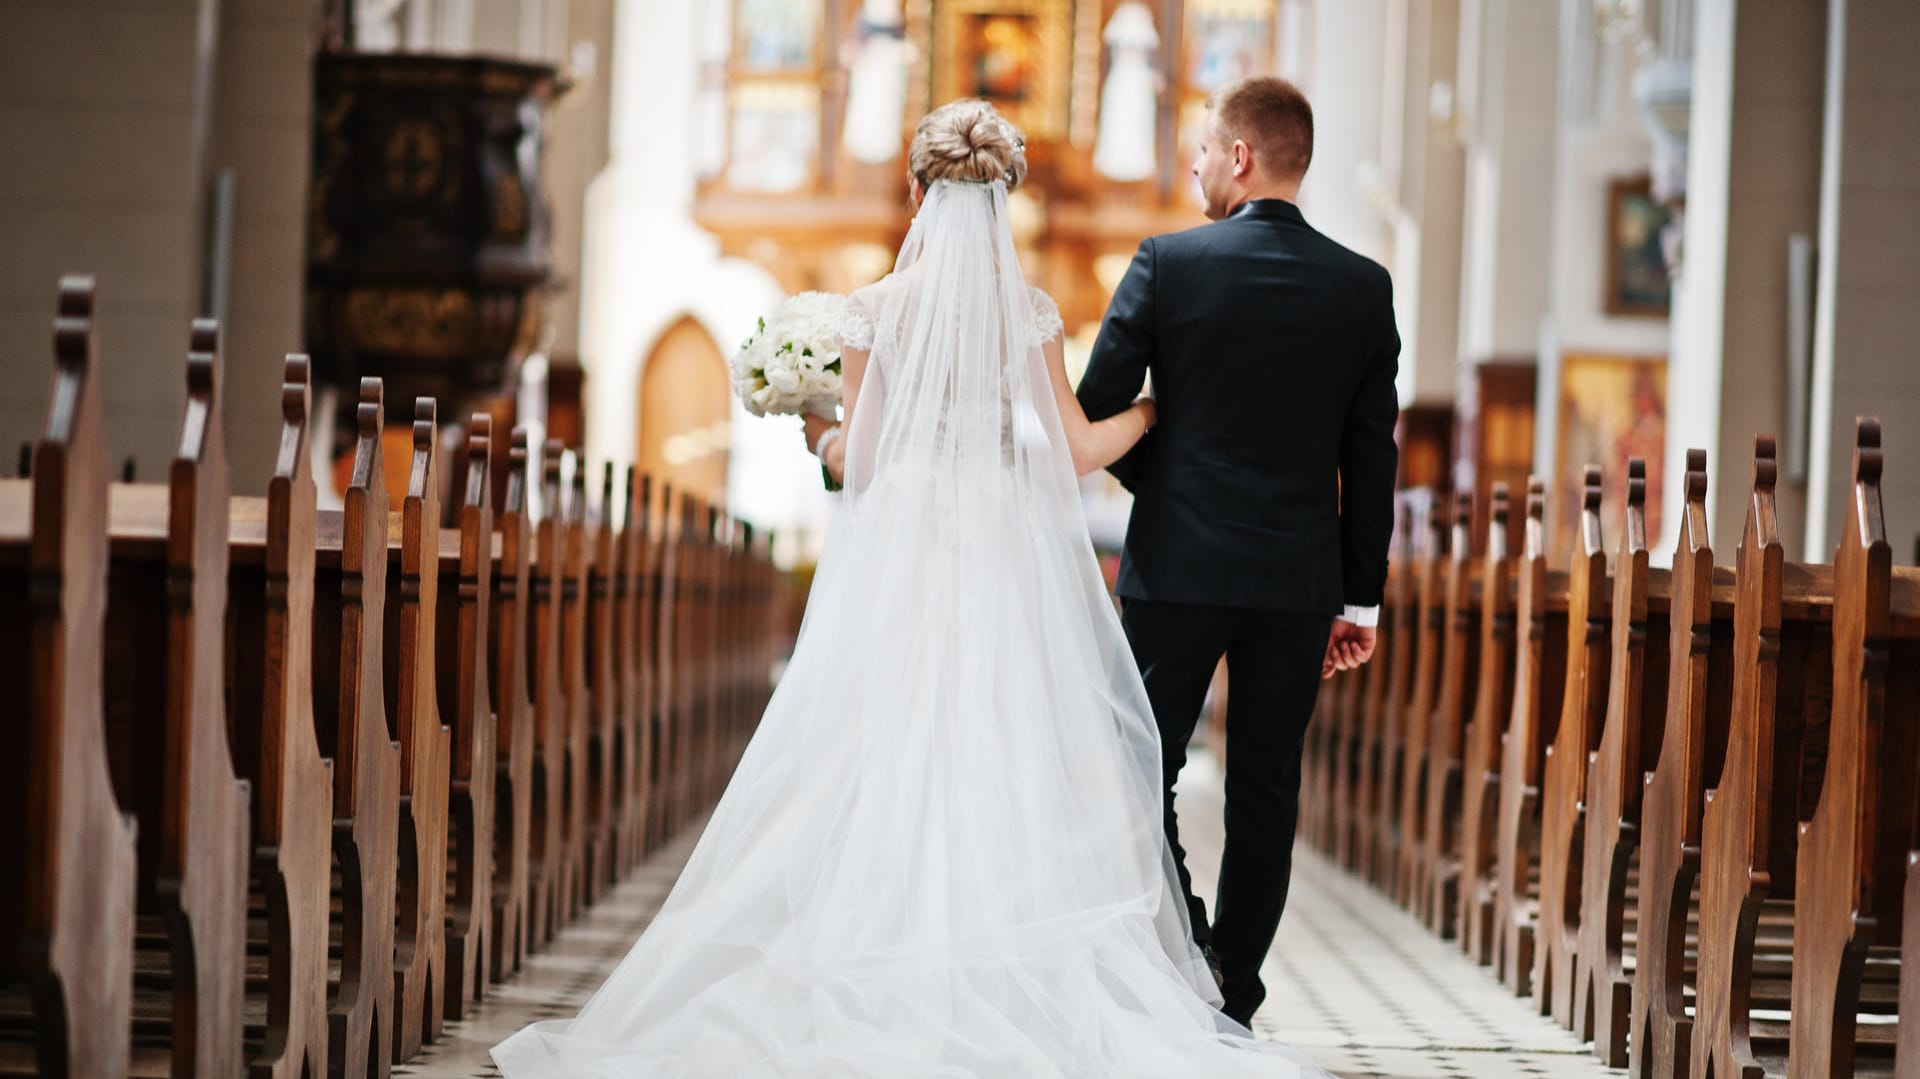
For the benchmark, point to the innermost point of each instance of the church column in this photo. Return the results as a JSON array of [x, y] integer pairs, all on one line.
[[1753, 182], [1867, 321], [576, 152], [1424, 172], [1509, 63], [1335, 52], [1508, 116], [105, 176], [262, 140]]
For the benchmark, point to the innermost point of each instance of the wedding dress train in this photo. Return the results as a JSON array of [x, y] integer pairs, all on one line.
[[941, 854]]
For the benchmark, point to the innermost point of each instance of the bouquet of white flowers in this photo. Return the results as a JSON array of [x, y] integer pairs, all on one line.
[[790, 365]]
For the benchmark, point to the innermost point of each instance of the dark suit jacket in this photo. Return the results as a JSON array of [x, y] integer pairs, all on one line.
[[1268, 482]]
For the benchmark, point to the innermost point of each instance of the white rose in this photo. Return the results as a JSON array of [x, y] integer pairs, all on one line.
[[785, 380]]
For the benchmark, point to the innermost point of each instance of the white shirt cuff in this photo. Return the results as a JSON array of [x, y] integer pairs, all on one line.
[[1364, 617]]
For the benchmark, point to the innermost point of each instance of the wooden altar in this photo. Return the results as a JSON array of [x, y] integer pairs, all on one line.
[[783, 188]]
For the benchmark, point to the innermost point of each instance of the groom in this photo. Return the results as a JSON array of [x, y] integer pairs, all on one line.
[[1263, 499]]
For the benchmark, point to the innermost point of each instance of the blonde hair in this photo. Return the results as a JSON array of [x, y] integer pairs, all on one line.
[[967, 140]]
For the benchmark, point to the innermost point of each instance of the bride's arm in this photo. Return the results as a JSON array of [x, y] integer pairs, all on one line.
[[853, 371], [1094, 446]]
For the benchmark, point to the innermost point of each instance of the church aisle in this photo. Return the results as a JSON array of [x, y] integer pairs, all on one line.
[[1353, 980]]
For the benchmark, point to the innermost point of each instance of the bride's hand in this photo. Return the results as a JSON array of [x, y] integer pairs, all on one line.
[[1148, 411], [836, 459]]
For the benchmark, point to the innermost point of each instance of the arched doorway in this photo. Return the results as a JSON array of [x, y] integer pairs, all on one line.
[[686, 402]]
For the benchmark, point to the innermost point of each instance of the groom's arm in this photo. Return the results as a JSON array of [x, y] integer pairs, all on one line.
[[1121, 356], [1369, 461]]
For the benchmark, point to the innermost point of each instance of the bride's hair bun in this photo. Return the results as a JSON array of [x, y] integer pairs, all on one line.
[[967, 140]]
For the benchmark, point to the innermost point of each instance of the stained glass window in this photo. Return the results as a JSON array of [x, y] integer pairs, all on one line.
[[777, 35]]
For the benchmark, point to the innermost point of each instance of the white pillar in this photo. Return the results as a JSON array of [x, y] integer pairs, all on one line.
[[1869, 267], [1342, 75], [1509, 67], [1425, 172], [1752, 182]]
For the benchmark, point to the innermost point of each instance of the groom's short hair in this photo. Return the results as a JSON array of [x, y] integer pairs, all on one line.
[[1273, 118]]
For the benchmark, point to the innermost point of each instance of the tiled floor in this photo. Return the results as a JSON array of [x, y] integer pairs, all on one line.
[[1352, 980]]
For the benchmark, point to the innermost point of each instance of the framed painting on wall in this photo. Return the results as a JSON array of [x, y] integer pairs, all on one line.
[[1611, 409], [777, 36], [1017, 54], [1637, 281], [1226, 40], [775, 137]]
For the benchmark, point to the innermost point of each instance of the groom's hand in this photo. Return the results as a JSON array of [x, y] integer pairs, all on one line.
[[1348, 646]]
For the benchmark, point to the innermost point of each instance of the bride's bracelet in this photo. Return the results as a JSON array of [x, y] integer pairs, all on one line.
[[827, 438]]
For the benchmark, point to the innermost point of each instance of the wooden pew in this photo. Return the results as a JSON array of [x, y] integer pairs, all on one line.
[[1903, 698], [1698, 680], [1459, 652], [1402, 634], [1852, 851], [1317, 768], [465, 610], [1325, 787], [167, 725], [726, 632], [1635, 718], [1564, 775], [641, 551], [511, 641], [722, 615], [576, 556], [270, 622], [351, 600], [710, 772], [603, 692], [770, 605], [1342, 829], [1782, 674], [664, 588], [1364, 764], [547, 856], [683, 682], [1480, 769], [626, 812], [412, 612], [1373, 756], [1539, 674], [1430, 609], [68, 854]]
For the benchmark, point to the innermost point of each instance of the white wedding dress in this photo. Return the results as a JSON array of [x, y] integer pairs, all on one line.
[[941, 854]]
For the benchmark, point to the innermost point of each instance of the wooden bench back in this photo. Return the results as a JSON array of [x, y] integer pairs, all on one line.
[[69, 852], [1852, 856], [464, 696], [1698, 672], [1492, 706], [511, 675]]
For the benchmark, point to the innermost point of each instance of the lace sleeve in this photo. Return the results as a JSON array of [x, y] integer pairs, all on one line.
[[1046, 317], [856, 328]]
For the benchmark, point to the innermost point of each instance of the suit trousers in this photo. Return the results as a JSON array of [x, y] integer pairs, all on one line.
[[1273, 672]]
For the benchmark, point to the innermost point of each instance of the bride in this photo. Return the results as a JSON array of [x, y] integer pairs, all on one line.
[[941, 855]]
